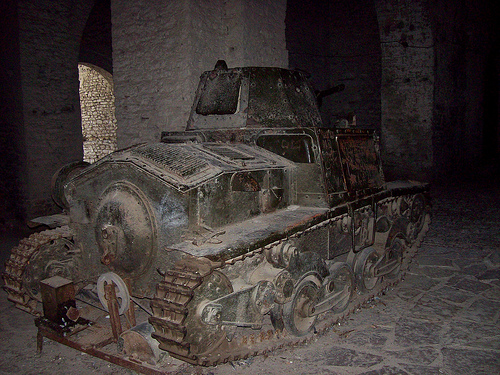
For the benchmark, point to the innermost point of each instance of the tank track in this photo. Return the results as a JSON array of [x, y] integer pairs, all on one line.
[[175, 292], [19, 259], [171, 301]]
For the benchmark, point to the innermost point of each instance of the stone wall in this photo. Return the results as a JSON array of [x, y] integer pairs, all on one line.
[[417, 71], [466, 43], [407, 88], [11, 118], [356, 61], [97, 103], [308, 34], [338, 43], [382, 52], [434, 82], [161, 48], [96, 43], [49, 39]]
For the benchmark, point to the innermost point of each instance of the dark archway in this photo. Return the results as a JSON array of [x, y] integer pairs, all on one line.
[[96, 43]]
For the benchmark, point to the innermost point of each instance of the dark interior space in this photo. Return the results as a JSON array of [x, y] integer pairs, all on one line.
[[491, 103], [96, 44], [11, 118], [343, 47]]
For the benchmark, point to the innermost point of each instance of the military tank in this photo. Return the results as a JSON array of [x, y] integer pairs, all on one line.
[[253, 228]]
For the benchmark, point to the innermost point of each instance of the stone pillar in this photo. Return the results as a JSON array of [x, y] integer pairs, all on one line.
[[161, 48], [407, 88]]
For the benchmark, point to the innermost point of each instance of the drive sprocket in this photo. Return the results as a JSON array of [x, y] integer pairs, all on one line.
[[177, 323]]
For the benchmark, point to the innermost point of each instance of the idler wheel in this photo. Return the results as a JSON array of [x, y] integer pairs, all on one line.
[[365, 268], [298, 314]]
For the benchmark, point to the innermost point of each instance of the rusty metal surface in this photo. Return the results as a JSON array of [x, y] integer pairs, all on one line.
[[97, 349], [360, 163], [138, 343], [186, 166], [125, 230], [101, 344], [52, 221], [17, 266], [58, 297], [114, 316], [244, 237], [254, 98], [63, 175]]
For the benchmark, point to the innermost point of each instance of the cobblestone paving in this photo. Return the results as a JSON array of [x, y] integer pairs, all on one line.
[[442, 319]]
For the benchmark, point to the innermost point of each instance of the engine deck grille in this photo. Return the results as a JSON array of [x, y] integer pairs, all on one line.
[[172, 157]]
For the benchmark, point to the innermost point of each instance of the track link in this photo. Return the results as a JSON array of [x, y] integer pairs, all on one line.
[[19, 259], [169, 306]]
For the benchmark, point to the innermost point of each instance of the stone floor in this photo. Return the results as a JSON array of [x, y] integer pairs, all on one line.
[[442, 319]]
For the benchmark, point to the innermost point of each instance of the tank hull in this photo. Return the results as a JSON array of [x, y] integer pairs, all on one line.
[[254, 228]]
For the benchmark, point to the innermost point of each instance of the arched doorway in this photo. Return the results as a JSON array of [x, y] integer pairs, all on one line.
[[97, 102]]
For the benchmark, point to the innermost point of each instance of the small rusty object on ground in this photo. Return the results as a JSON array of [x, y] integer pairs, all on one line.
[[138, 343], [58, 297], [73, 314]]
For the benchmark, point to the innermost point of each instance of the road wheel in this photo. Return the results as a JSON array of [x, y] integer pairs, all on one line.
[[298, 314], [365, 269], [340, 285]]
